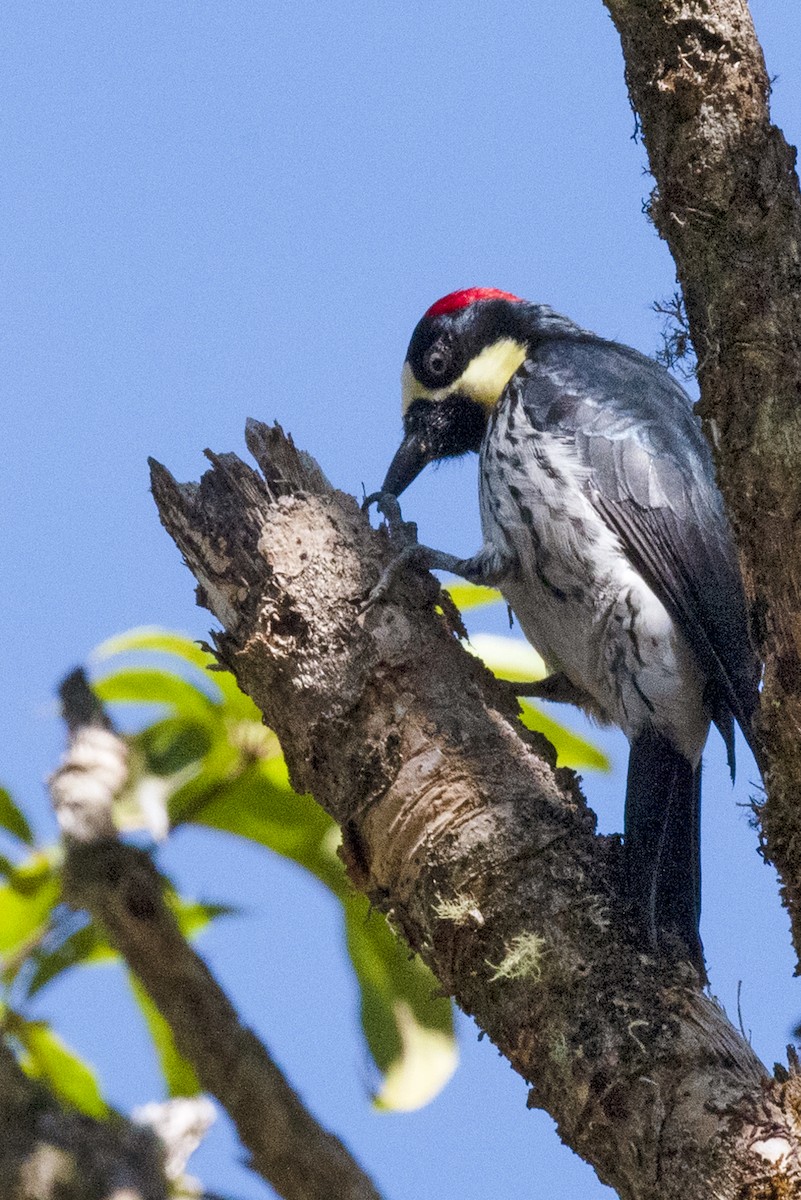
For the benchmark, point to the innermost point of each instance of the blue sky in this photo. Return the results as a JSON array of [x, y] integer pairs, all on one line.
[[215, 211]]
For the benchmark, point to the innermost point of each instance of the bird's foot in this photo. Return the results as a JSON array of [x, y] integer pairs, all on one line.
[[556, 687], [412, 557], [401, 533], [402, 537], [487, 567]]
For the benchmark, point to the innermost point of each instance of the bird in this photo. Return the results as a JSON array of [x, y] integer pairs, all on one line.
[[605, 531]]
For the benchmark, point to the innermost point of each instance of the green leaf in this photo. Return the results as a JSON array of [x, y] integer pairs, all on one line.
[[179, 1074], [409, 1032], [193, 916], [508, 658], [48, 1059], [27, 901], [13, 820], [174, 743], [408, 1028], [228, 773], [152, 637], [162, 641], [147, 685], [7, 867], [259, 804], [571, 750], [195, 787], [471, 595], [85, 947], [425, 1065]]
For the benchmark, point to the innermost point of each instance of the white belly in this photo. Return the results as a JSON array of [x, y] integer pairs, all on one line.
[[578, 599]]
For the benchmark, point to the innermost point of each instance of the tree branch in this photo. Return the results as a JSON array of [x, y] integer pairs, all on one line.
[[456, 824], [727, 203], [122, 890], [51, 1154]]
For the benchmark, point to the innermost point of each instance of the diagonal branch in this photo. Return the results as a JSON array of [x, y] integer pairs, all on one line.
[[122, 890], [727, 202], [456, 824]]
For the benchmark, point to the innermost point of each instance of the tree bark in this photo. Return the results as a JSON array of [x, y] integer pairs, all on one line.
[[47, 1153], [457, 825], [727, 203]]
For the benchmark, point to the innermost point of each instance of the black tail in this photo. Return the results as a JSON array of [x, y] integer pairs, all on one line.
[[662, 845]]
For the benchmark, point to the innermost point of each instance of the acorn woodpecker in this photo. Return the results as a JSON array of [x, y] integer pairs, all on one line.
[[605, 531]]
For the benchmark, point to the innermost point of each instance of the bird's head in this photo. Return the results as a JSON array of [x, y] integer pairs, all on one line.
[[462, 354]]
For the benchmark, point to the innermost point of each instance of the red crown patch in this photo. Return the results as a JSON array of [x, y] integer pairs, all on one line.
[[456, 300]]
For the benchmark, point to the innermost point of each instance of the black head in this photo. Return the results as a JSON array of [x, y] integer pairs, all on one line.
[[462, 354]]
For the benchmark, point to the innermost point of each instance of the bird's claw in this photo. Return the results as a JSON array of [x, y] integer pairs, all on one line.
[[401, 533], [386, 503], [556, 687]]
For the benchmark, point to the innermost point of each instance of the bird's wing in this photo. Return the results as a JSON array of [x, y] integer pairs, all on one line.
[[650, 475]]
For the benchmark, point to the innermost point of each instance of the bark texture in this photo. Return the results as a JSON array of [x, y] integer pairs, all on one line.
[[458, 826], [727, 203]]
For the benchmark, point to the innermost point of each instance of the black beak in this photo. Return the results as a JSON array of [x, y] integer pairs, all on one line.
[[411, 456]]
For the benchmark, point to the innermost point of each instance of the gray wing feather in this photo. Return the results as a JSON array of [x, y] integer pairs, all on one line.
[[651, 477]]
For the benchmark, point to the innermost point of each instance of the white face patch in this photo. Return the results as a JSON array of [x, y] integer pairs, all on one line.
[[483, 379]]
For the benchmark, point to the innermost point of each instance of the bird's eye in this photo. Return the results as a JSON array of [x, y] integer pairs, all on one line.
[[438, 359]]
